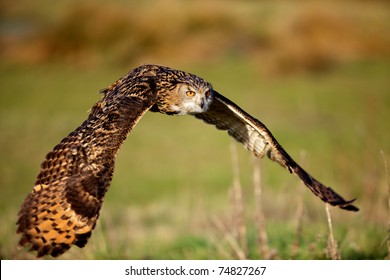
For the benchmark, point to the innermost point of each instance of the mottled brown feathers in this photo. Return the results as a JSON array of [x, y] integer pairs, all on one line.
[[64, 204]]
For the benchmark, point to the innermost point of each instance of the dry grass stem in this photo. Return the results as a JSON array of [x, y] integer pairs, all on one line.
[[332, 244], [388, 201], [262, 237], [238, 251], [220, 246], [239, 226], [298, 219], [299, 213]]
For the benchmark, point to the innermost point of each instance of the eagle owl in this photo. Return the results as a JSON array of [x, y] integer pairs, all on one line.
[[64, 204]]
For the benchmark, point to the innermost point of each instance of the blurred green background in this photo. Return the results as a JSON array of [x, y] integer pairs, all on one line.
[[317, 73]]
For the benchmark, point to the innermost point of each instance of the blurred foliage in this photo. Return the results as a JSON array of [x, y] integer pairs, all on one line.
[[279, 36], [315, 72]]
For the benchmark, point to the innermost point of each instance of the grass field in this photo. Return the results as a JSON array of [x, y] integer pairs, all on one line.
[[171, 196]]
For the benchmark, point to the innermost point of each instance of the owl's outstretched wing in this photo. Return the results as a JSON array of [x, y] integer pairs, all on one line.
[[63, 207], [255, 136]]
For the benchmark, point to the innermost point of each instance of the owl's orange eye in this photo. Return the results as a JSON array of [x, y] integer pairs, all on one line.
[[190, 93], [208, 94]]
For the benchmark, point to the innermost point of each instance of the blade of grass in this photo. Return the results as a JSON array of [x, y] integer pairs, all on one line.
[[240, 254], [299, 213], [262, 237], [238, 202], [388, 203], [332, 244]]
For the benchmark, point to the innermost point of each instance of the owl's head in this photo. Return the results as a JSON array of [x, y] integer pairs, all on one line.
[[188, 98], [181, 93]]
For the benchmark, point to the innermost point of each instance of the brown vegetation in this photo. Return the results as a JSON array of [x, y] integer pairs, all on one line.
[[281, 38]]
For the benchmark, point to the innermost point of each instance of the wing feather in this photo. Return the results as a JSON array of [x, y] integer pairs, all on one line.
[[63, 207], [255, 136]]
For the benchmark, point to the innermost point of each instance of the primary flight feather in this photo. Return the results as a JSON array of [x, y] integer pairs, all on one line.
[[63, 207]]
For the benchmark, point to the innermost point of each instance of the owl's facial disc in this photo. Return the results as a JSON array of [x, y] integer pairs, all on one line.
[[193, 100]]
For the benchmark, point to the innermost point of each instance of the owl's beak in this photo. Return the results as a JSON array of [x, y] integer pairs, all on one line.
[[202, 103]]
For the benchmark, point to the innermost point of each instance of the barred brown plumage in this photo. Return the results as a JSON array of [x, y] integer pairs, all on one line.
[[63, 207]]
